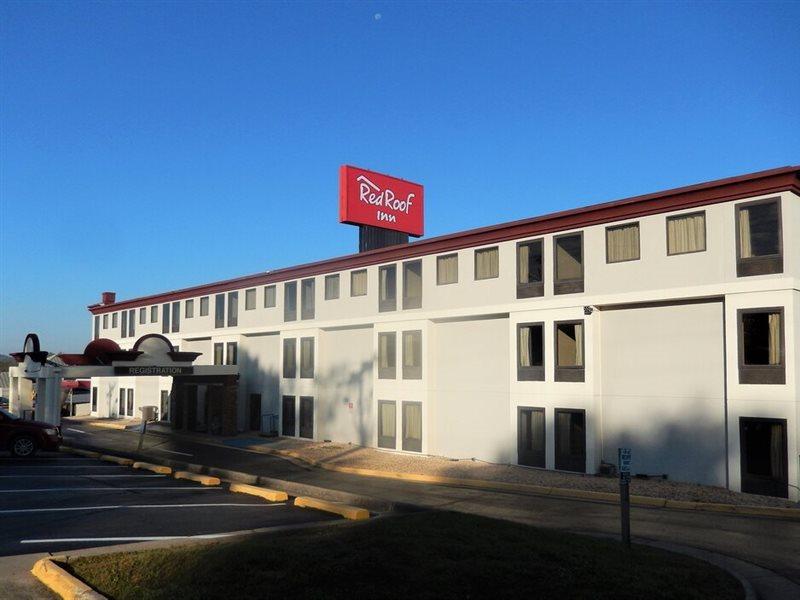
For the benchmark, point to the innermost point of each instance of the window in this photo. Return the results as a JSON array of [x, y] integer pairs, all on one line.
[[686, 233], [96, 326], [219, 350], [105, 321], [132, 322], [250, 299], [176, 317], [287, 415], [232, 354], [412, 355], [358, 283], [94, 399], [387, 355], [233, 309], [331, 287], [487, 263], [130, 403], [412, 426], [764, 456], [530, 437], [568, 260], [761, 346], [307, 358], [569, 351], [758, 238], [530, 269], [165, 318], [530, 352], [114, 320], [289, 358], [204, 306], [307, 299], [290, 301], [570, 440], [121, 406], [387, 424], [189, 309], [447, 269], [164, 405], [219, 310], [622, 243], [154, 314], [387, 288], [412, 284], [306, 429], [142, 316], [123, 324], [269, 296]]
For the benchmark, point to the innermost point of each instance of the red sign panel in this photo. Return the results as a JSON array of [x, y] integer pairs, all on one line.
[[370, 198]]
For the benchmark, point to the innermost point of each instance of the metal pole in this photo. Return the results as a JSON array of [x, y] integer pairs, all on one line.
[[625, 508], [141, 435]]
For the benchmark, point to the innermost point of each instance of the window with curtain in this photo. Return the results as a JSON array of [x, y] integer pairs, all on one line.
[[250, 299], [568, 250], [412, 426], [530, 269], [307, 358], [447, 269], [387, 355], [759, 238], [130, 402], [387, 424], [233, 309], [176, 317], [487, 263], [412, 284], [165, 318], [131, 323], [761, 346], [124, 324], [105, 320], [331, 287], [232, 354], [290, 301], [114, 320], [142, 316], [219, 310], [219, 350], [387, 288], [97, 327], [686, 233], [307, 299], [154, 314], [358, 283], [122, 395], [188, 309], [412, 355], [530, 352], [569, 351], [204, 306], [622, 243], [289, 358], [270, 296]]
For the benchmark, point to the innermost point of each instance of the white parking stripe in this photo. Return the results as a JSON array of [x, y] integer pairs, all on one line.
[[174, 452], [115, 506], [112, 489], [207, 536], [64, 467], [74, 475], [77, 430]]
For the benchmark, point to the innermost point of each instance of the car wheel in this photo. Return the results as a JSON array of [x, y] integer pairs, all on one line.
[[23, 446]]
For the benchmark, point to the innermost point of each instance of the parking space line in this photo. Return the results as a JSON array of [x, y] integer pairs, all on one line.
[[112, 489], [78, 431], [65, 467], [152, 538], [138, 506], [174, 452], [74, 475]]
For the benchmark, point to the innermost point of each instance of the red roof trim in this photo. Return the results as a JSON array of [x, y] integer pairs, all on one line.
[[713, 192]]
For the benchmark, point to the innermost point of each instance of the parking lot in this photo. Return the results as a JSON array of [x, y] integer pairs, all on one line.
[[56, 502]]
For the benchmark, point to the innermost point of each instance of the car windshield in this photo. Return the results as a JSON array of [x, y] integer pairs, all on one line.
[[8, 415]]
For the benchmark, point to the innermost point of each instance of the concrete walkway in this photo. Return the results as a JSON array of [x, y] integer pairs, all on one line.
[[770, 545]]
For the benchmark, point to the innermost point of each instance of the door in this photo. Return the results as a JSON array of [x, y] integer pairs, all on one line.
[[287, 416], [164, 405], [530, 437], [570, 440], [255, 412], [765, 468], [307, 417]]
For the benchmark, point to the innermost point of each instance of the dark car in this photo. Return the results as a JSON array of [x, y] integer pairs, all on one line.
[[24, 438]]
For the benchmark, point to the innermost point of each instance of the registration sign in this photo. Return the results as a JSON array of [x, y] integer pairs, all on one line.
[[624, 462], [158, 371]]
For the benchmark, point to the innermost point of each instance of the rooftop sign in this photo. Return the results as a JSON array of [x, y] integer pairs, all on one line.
[[370, 198]]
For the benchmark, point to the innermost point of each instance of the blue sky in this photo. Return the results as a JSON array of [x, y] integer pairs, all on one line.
[[148, 146]]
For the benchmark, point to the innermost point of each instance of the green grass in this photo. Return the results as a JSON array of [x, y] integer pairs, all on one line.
[[420, 555]]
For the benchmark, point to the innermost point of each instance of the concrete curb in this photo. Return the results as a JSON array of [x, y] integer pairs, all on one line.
[[52, 575], [160, 469], [203, 479], [125, 462], [267, 494], [348, 512]]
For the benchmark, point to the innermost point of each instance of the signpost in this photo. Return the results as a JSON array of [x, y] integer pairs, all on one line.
[[624, 465]]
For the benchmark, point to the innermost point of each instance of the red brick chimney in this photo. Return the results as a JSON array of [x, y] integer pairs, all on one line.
[[108, 298]]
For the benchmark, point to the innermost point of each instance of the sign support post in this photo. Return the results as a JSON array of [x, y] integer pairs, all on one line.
[[624, 461]]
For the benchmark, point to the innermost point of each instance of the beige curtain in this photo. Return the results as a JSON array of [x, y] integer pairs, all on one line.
[[269, 296], [745, 248], [523, 263], [487, 263], [358, 283], [579, 345], [525, 346], [775, 339], [567, 266], [412, 281], [411, 349], [306, 349], [412, 427], [570, 345], [383, 285], [622, 243], [447, 269], [686, 234], [388, 420], [384, 341]]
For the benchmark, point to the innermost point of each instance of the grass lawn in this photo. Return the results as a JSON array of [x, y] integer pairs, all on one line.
[[419, 555]]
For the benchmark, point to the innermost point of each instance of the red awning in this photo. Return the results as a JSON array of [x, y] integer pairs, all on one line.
[[71, 384]]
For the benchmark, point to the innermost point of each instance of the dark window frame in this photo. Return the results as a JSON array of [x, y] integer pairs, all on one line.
[[561, 465], [250, 293], [330, 278], [235, 359], [303, 430], [233, 309], [188, 309], [621, 226], [441, 257], [143, 316], [531, 458], [533, 372], [761, 374], [388, 304], [154, 313], [683, 216], [387, 372], [568, 373], [94, 399], [530, 289], [289, 370], [123, 324], [412, 371], [105, 321], [165, 314], [759, 265], [219, 353], [289, 419], [132, 322], [274, 295], [176, 317], [308, 290], [385, 441], [752, 483], [574, 285], [410, 444], [475, 261], [307, 371], [114, 320], [352, 276], [412, 302], [204, 306], [290, 301], [219, 311]]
